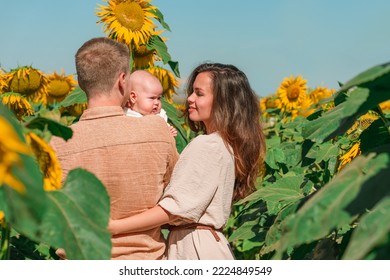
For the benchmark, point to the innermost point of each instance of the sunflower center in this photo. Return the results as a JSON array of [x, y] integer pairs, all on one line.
[[58, 88], [130, 15], [26, 85], [293, 92]]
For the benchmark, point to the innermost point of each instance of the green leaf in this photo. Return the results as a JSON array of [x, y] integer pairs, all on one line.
[[273, 141], [245, 231], [375, 77], [156, 43], [319, 129], [160, 18], [23, 211], [377, 134], [365, 91], [337, 121], [77, 218], [275, 233], [173, 116], [371, 231], [292, 153], [323, 152], [359, 186], [77, 96], [175, 67], [55, 128], [274, 156], [281, 193]]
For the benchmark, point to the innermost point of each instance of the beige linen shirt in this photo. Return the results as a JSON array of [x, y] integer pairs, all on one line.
[[134, 158]]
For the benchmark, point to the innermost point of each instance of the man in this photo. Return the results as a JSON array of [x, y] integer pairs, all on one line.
[[133, 157]]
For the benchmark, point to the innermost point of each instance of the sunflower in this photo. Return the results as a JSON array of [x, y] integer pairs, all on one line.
[[18, 104], [353, 152], [48, 162], [273, 102], [385, 106], [363, 122], [128, 21], [167, 79], [3, 83], [143, 58], [307, 108], [29, 82], [263, 104], [60, 86], [10, 149], [320, 93], [1, 218], [270, 102], [292, 92], [77, 109]]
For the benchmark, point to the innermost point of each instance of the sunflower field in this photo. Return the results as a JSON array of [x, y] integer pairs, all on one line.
[[324, 195]]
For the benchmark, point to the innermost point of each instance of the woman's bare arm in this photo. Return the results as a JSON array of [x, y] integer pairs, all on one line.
[[149, 219]]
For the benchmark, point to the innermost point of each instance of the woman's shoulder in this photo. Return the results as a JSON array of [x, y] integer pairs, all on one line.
[[202, 139], [206, 142]]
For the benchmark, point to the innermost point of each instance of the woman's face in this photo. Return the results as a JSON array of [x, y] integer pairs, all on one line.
[[201, 99]]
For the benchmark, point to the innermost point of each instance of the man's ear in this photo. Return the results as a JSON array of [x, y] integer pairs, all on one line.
[[121, 83]]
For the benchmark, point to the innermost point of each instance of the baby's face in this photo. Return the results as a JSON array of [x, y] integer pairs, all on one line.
[[148, 103]]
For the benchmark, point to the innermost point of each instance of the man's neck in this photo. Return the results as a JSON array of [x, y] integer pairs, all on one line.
[[102, 102]]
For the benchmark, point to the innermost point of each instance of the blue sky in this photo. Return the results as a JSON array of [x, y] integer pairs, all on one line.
[[325, 41]]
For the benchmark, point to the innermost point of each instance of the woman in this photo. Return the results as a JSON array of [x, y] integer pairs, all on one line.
[[218, 167]]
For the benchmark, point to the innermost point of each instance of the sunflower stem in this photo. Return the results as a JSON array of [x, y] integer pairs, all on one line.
[[5, 241]]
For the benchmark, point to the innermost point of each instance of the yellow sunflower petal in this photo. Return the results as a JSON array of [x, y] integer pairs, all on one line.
[[167, 79], [10, 149], [48, 162], [1, 218], [320, 93], [353, 152]]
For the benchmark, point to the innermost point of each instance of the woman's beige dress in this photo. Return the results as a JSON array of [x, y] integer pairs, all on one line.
[[201, 191]]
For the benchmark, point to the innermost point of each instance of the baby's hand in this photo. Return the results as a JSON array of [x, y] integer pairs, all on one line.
[[172, 130], [61, 253]]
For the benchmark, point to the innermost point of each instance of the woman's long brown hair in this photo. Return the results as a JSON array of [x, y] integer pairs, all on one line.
[[236, 116]]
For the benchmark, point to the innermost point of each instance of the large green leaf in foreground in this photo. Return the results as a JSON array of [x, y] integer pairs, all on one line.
[[77, 217], [23, 210], [360, 186], [372, 231], [376, 77], [365, 92]]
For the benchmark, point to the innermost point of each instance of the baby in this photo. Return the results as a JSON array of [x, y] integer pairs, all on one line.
[[145, 97]]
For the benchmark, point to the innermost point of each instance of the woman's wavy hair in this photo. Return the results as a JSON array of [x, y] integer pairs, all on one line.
[[236, 116]]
